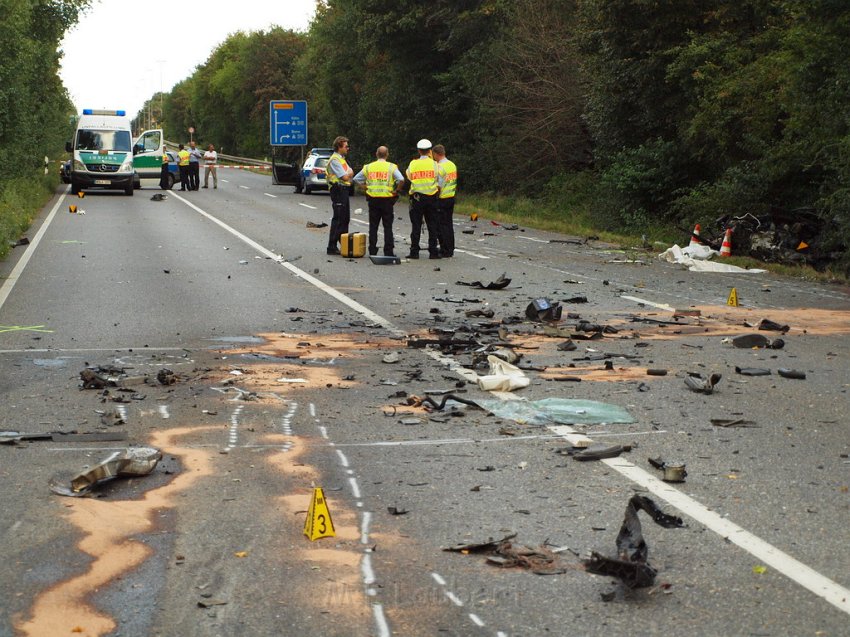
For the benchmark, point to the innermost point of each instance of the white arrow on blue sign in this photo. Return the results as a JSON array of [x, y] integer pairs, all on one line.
[[288, 122]]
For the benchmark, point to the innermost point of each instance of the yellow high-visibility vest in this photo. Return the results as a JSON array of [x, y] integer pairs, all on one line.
[[448, 171], [333, 180], [380, 178], [184, 157], [165, 158], [422, 173]]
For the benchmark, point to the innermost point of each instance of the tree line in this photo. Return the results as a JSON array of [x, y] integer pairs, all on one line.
[[35, 110]]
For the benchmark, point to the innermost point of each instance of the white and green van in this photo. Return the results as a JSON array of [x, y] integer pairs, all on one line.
[[105, 156]]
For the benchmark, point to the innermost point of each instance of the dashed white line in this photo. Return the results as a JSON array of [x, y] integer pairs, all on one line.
[[660, 306], [476, 619], [233, 436], [270, 195], [244, 187], [163, 412], [457, 601], [439, 579], [366, 569], [380, 620], [324, 432], [343, 460], [355, 489], [364, 527], [306, 205]]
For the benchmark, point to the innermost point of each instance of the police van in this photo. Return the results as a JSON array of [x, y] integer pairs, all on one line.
[[104, 154]]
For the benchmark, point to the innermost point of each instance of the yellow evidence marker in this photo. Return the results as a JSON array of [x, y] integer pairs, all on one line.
[[319, 523], [733, 298]]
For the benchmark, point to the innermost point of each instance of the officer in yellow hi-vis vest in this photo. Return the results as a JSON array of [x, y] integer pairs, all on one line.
[[163, 173], [183, 167], [447, 180], [383, 180], [339, 182], [422, 174]]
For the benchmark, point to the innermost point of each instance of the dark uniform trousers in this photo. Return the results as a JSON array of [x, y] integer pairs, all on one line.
[[445, 214], [341, 214], [381, 213], [194, 175], [184, 177], [424, 208], [163, 177]]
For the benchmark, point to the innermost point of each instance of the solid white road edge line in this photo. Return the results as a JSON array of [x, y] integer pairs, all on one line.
[[6, 288]]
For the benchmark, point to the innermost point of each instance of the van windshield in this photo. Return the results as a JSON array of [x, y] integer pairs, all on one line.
[[90, 139]]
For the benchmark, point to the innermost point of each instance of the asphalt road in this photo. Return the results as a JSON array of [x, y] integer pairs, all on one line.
[[292, 371]]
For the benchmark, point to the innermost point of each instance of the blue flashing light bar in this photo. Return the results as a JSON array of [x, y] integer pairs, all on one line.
[[95, 111]]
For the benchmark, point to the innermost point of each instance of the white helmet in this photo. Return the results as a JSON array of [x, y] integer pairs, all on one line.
[[423, 144]]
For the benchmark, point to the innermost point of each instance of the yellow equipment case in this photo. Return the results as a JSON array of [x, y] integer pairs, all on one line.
[[352, 244]]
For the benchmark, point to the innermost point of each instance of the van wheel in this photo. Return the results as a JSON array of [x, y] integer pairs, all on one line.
[[308, 190], [171, 181]]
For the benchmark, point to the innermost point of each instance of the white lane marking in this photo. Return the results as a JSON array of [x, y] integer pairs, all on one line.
[[163, 412], [244, 187], [306, 205], [467, 441], [270, 195], [324, 432], [438, 578], [477, 255], [90, 349], [233, 436], [355, 489], [457, 601], [324, 287], [660, 306], [476, 620], [312, 410], [226, 181], [366, 569], [380, 620], [535, 239], [343, 460], [364, 527], [360, 221], [15, 274]]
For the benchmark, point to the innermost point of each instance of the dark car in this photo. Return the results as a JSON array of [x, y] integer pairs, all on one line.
[[65, 171]]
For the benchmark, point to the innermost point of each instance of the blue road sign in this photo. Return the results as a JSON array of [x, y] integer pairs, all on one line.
[[288, 122]]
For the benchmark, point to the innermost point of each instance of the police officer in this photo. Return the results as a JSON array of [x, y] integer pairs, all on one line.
[[422, 174], [195, 156], [183, 167], [339, 177], [447, 180], [383, 180], [163, 173]]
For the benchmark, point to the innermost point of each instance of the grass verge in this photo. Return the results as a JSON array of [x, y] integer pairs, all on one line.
[[20, 201]]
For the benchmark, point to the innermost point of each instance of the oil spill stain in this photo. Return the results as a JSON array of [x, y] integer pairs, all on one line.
[[107, 527]]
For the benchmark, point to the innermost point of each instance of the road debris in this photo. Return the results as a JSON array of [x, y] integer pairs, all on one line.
[[673, 471], [159, 197], [733, 422], [543, 310], [757, 341], [506, 554], [631, 566], [791, 373], [132, 462], [598, 451], [701, 384], [752, 371], [503, 376], [563, 411], [499, 284]]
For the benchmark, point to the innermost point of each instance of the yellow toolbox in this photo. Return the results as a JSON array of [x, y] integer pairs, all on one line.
[[353, 244]]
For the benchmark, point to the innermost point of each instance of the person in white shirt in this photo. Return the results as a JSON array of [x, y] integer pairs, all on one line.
[[210, 161]]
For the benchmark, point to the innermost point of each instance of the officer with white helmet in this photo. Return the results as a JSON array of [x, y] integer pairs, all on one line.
[[422, 175]]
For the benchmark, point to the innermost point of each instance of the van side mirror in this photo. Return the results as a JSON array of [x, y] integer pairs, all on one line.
[[69, 147]]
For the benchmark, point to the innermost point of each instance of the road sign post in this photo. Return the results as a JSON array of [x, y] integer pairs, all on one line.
[[288, 122]]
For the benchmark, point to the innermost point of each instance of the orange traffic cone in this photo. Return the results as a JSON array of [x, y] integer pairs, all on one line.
[[726, 248], [695, 240]]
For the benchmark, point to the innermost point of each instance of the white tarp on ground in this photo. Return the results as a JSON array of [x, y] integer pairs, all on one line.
[[695, 258]]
